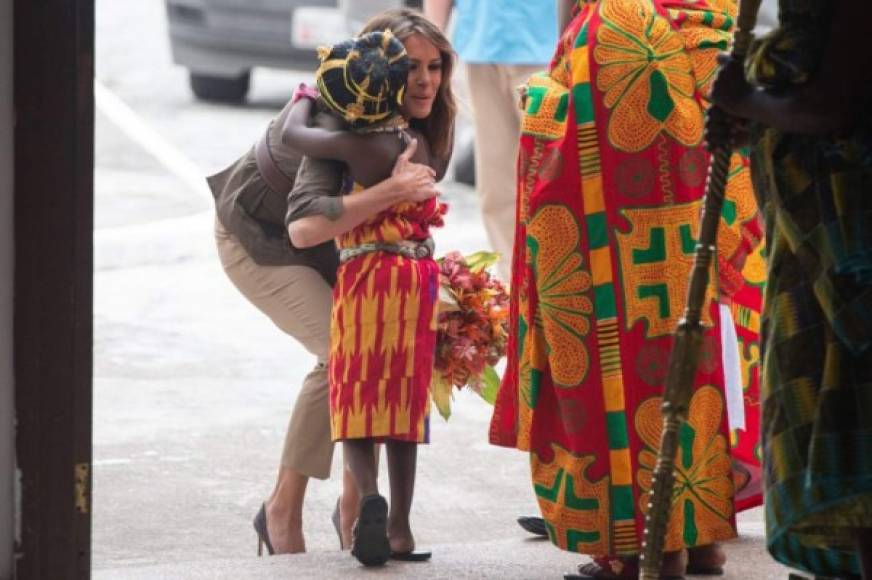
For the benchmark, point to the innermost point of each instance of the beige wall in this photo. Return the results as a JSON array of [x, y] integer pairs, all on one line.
[[7, 466]]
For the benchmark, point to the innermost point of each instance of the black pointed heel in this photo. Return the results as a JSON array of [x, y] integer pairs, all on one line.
[[533, 525], [337, 524], [259, 524]]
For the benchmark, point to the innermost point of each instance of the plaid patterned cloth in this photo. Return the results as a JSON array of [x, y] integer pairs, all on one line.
[[817, 386]]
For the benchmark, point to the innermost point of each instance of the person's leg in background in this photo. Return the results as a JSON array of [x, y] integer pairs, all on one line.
[[497, 117], [298, 301]]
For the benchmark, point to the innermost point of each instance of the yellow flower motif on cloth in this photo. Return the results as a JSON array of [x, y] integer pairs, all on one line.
[[730, 7], [529, 391], [646, 77], [575, 505], [530, 166], [702, 500], [561, 286], [740, 206], [656, 256], [547, 108], [749, 360], [755, 267], [561, 72], [534, 358], [706, 31], [740, 189]]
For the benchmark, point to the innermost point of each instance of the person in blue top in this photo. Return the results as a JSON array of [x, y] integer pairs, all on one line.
[[501, 42]]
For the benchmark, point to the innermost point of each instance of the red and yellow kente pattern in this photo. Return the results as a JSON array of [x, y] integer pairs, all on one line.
[[383, 330], [611, 176]]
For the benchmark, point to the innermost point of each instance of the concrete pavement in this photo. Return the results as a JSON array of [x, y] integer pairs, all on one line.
[[193, 389], [516, 558]]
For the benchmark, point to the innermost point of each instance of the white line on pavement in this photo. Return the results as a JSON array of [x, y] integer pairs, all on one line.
[[135, 127], [171, 239]]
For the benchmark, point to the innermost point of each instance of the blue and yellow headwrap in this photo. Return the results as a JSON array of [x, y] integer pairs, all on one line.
[[364, 79]]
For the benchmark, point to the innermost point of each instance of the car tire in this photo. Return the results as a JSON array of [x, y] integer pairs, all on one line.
[[220, 89]]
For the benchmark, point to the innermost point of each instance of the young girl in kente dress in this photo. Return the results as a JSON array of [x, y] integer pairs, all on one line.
[[383, 329]]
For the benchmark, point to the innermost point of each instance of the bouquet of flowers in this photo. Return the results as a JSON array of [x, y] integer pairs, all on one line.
[[472, 332]]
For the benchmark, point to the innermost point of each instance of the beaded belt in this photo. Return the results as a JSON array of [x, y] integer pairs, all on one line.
[[407, 249]]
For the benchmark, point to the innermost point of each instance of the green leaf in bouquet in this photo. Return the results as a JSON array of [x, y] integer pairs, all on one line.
[[440, 392], [481, 260], [490, 385]]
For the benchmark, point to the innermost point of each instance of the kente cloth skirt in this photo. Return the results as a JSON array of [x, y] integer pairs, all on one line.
[[382, 347]]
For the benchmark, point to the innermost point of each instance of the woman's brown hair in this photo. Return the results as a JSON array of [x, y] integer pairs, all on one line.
[[438, 128]]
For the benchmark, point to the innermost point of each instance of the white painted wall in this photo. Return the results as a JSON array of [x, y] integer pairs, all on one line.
[[7, 444]]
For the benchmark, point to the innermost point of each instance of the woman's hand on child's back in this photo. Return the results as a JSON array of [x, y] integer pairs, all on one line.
[[414, 182]]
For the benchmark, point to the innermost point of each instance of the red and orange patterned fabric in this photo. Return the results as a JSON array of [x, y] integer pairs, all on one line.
[[611, 180], [383, 330], [745, 306]]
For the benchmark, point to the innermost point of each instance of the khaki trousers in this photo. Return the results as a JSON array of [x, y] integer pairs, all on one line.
[[298, 300], [497, 119]]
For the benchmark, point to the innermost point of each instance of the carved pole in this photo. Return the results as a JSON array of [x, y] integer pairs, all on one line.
[[684, 358]]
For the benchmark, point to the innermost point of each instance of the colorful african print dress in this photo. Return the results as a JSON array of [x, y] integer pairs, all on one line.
[[611, 179], [383, 330], [817, 379]]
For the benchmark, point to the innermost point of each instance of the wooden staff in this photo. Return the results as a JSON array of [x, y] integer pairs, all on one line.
[[686, 349]]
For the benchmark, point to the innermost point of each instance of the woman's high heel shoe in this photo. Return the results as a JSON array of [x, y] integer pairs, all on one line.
[[262, 534], [337, 524]]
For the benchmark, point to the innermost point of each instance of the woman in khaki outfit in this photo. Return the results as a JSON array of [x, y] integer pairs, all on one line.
[[255, 199]]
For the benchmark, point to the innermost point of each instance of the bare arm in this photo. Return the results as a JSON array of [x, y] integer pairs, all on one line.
[[438, 11], [317, 229], [409, 182], [315, 141], [831, 101]]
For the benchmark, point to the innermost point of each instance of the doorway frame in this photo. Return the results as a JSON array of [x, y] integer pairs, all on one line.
[[53, 76]]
